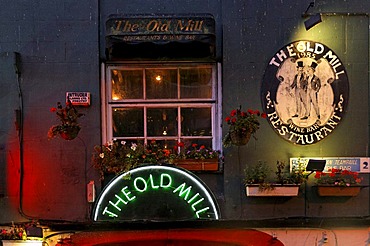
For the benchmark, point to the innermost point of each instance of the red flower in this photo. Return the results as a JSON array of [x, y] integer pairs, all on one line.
[[166, 152], [345, 172], [233, 112], [250, 111], [180, 144], [318, 175], [202, 147], [257, 112], [194, 145], [233, 120], [227, 119], [53, 110], [264, 115]]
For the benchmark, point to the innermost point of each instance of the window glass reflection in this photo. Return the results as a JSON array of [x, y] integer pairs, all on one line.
[[196, 122], [161, 83], [128, 122], [127, 84], [196, 82], [162, 121]]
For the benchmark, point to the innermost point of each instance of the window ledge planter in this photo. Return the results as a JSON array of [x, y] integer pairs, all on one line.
[[275, 190], [330, 190], [198, 164]]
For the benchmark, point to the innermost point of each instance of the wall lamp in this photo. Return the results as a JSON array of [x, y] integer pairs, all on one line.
[[316, 165], [315, 19], [312, 21]]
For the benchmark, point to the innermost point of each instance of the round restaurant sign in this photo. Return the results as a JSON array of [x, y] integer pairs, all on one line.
[[305, 92]]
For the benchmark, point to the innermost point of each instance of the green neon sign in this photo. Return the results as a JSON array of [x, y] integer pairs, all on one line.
[[156, 193]]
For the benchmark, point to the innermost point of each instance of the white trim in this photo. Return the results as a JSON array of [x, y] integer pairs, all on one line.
[[214, 102], [103, 104]]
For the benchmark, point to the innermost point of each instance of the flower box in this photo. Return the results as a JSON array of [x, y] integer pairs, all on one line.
[[338, 190], [276, 190], [198, 164]]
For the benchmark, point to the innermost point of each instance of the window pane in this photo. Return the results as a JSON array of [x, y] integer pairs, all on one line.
[[196, 122], [127, 84], [128, 122], [161, 83], [196, 83], [162, 121]]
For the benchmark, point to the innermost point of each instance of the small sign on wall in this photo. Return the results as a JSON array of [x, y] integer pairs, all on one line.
[[78, 98], [354, 164]]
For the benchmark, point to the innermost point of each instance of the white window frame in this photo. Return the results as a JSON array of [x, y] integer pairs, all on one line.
[[214, 103]]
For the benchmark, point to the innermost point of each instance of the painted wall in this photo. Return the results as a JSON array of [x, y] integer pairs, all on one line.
[[58, 46], [61, 46]]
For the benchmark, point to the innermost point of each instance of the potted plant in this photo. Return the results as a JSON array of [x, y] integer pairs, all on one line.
[[68, 116], [196, 157], [17, 232], [338, 183], [117, 157], [259, 182], [242, 125]]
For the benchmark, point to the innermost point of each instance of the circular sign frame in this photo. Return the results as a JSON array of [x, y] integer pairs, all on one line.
[[305, 92]]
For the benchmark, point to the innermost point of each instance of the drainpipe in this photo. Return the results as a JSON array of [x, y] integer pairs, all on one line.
[[20, 126]]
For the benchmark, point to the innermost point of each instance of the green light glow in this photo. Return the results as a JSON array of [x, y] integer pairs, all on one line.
[[191, 199], [200, 202], [182, 191], [152, 182], [163, 175], [143, 182], [127, 194]]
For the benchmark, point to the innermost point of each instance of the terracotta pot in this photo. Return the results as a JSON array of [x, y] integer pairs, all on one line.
[[277, 190], [338, 190], [198, 165], [240, 139], [70, 133]]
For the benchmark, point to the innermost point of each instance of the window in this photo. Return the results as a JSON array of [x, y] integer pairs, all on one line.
[[163, 102]]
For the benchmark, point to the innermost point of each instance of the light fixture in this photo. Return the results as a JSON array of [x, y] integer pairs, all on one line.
[[316, 165], [158, 78], [312, 21]]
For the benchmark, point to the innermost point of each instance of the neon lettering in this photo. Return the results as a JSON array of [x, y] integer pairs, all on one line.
[[143, 182], [182, 191]]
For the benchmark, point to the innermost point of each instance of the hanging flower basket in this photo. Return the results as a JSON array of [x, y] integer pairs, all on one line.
[[68, 128], [198, 164], [330, 190], [70, 133], [272, 190], [240, 139], [242, 125]]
